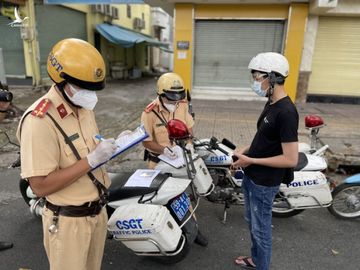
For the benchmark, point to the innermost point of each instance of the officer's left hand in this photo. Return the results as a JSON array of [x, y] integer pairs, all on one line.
[[124, 133]]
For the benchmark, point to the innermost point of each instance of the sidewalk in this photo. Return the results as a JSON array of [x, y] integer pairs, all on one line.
[[121, 103]]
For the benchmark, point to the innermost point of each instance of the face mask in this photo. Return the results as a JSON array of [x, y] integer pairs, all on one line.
[[83, 98], [256, 87], [170, 107]]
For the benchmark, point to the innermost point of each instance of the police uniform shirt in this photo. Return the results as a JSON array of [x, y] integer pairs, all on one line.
[[43, 149], [278, 123], [154, 126]]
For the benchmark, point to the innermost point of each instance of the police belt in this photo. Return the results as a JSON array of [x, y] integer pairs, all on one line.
[[153, 157], [87, 209]]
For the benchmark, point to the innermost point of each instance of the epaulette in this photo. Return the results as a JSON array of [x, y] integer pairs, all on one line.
[[42, 108], [151, 106]]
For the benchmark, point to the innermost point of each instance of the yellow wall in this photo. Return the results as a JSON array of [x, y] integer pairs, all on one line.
[[185, 15], [298, 14], [136, 11], [184, 32]]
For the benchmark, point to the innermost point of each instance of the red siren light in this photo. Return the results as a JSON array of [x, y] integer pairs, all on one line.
[[177, 130], [313, 121]]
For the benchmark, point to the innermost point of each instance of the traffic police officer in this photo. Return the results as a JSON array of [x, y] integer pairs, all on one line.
[[170, 104], [51, 131]]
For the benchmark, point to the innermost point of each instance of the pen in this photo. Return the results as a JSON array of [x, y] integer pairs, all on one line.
[[171, 151], [99, 137]]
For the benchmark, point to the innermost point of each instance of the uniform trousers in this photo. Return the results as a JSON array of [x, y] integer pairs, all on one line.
[[79, 242]]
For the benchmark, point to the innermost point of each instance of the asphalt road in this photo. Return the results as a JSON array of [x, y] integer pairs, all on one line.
[[312, 240]]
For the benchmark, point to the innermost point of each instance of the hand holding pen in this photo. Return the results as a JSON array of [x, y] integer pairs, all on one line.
[[103, 151], [170, 153]]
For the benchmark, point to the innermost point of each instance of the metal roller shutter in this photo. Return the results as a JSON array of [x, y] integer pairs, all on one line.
[[55, 23], [13, 49], [223, 50], [336, 60]]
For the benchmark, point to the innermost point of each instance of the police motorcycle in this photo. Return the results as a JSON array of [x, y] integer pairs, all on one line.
[[346, 198], [153, 218], [309, 189], [218, 158]]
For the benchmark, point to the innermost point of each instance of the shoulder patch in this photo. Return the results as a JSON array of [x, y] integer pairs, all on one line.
[[42, 108], [151, 106]]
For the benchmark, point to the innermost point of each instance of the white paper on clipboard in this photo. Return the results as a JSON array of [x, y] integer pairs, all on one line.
[[141, 178]]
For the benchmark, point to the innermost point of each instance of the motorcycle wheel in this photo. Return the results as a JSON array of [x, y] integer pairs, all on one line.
[[284, 211], [346, 201], [23, 186], [174, 259]]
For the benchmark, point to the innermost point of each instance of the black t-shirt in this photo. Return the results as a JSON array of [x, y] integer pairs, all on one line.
[[278, 123]]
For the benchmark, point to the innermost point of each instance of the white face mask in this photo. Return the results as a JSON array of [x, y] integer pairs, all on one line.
[[83, 98], [256, 87], [170, 107]]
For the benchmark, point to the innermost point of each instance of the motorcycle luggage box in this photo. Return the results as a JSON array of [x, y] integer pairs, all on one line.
[[305, 187], [135, 224], [203, 179]]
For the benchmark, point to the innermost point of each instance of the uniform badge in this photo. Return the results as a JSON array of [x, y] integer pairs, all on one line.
[[41, 108], [62, 111]]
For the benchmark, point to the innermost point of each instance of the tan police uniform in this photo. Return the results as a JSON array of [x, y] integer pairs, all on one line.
[[79, 242], [156, 128]]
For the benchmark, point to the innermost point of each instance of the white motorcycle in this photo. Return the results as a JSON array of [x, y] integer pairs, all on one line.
[[149, 211], [307, 178], [309, 188]]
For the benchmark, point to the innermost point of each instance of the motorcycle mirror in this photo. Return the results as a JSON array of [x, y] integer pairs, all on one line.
[[213, 142]]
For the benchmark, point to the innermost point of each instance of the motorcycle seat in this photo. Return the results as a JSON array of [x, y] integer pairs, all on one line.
[[117, 191], [302, 162]]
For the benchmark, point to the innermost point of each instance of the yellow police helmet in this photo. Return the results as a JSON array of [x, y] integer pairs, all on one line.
[[171, 86], [78, 62]]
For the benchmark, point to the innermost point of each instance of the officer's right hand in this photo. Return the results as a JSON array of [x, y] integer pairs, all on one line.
[[170, 153], [103, 151]]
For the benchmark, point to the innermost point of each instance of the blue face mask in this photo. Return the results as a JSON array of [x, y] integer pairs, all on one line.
[[256, 87]]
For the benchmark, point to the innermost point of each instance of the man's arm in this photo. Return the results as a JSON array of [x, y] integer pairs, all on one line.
[[59, 179], [153, 147], [288, 159]]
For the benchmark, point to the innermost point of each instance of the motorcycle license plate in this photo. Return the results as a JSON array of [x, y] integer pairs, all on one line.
[[180, 206]]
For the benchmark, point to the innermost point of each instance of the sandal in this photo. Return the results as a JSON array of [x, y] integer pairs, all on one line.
[[244, 262]]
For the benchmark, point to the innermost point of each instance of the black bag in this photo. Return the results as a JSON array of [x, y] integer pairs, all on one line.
[[288, 176]]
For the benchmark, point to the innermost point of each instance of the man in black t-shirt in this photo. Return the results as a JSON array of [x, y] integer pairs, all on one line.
[[273, 151]]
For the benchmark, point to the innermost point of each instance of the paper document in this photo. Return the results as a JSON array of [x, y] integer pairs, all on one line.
[[178, 162], [127, 141], [142, 178]]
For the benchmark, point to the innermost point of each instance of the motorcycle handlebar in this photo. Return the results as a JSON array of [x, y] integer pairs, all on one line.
[[229, 144]]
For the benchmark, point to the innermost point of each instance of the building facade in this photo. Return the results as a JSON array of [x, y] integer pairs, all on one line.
[[26, 47], [215, 40]]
